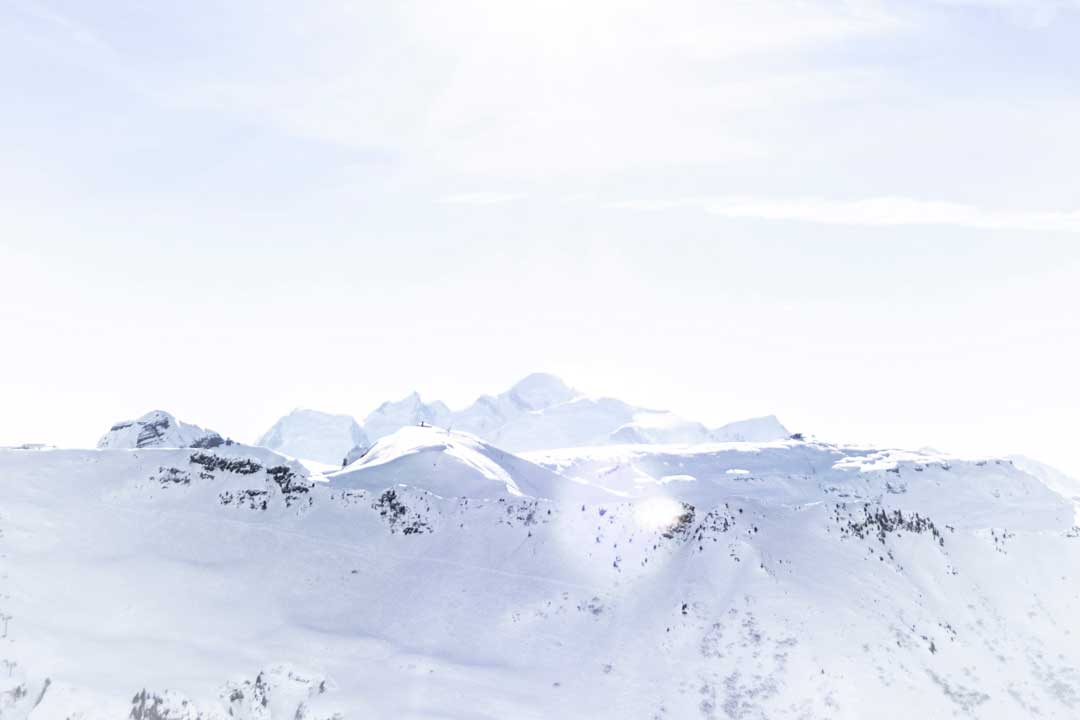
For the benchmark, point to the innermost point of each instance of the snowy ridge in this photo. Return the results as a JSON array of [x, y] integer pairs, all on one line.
[[976, 493], [1053, 478], [452, 464], [762, 429]]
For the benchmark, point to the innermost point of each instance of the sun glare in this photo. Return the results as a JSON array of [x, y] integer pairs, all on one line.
[[657, 513]]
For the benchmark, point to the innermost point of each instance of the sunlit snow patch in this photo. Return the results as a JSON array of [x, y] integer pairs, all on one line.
[[657, 513]]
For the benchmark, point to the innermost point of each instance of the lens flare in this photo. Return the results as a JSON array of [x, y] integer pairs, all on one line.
[[657, 513]]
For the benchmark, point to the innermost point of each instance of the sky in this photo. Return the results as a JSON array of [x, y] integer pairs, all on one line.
[[861, 216]]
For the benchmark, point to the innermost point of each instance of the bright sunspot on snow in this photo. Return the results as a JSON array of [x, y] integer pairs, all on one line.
[[658, 513]]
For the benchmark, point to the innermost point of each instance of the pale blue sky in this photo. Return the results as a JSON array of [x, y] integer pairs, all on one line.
[[861, 216]]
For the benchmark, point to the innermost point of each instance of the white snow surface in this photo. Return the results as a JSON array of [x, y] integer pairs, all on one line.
[[315, 435], [453, 463], [1053, 478], [441, 577]]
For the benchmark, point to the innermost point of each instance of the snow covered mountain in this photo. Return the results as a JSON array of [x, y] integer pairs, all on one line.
[[539, 412], [761, 429], [315, 435], [390, 417], [158, 429], [438, 576]]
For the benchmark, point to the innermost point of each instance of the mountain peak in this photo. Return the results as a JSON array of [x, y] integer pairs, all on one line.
[[758, 429], [158, 428], [541, 390], [314, 435], [410, 410]]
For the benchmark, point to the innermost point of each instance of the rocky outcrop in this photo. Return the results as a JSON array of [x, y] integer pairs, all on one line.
[[159, 429]]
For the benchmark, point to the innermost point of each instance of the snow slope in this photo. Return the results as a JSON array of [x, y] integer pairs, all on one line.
[[737, 580], [1066, 486], [158, 429], [1053, 478], [315, 435], [452, 463]]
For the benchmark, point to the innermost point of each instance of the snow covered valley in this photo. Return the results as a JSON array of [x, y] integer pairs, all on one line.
[[440, 577]]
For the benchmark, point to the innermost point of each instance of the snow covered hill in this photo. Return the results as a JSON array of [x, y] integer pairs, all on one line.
[[315, 435], [440, 577], [455, 464], [539, 412], [158, 429]]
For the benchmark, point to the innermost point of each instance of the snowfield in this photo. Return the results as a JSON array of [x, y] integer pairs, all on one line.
[[439, 576]]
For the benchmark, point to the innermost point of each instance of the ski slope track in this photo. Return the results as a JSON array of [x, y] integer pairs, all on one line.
[[439, 576]]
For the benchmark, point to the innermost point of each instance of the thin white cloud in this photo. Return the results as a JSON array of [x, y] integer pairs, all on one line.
[[1036, 13], [481, 198], [873, 212], [533, 89], [76, 33]]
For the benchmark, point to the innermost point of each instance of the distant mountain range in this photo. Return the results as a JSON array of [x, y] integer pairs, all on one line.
[[539, 412]]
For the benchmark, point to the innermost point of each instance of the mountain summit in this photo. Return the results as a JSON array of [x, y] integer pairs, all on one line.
[[390, 417], [540, 391], [315, 435], [158, 429]]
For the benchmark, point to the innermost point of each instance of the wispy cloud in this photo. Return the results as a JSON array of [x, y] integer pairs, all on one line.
[[557, 87], [481, 198], [1030, 12], [876, 211], [76, 33]]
